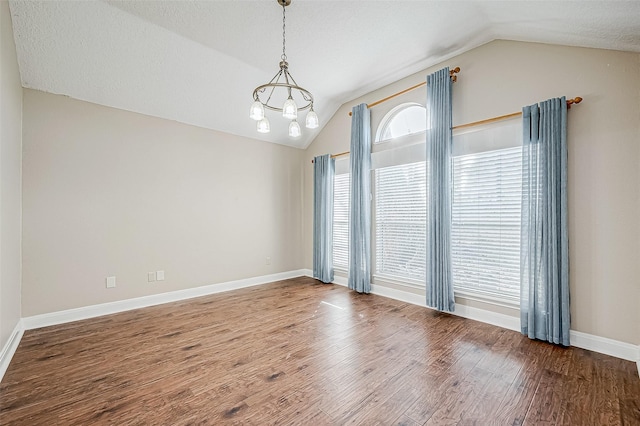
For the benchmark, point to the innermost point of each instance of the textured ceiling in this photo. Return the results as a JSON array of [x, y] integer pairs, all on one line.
[[198, 62]]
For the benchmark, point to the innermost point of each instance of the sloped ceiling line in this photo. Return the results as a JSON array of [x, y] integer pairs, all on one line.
[[198, 62]]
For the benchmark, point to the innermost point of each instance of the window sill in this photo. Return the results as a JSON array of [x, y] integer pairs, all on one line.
[[341, 271], [405, 282], [476, 297], [491, 300], [508, 303]]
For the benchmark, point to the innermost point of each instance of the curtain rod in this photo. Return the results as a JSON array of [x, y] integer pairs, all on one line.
[[337, 155], [570, 102], [452, 74]]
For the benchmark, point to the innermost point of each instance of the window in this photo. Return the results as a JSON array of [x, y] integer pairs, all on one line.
[[341, 221], [399, 187], [400, 221], [485, 216], [485, 223], [405, 119]]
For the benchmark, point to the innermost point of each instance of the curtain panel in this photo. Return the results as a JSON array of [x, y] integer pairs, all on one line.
[[360, 201], [544, 253], [439, 136], [323, 175]]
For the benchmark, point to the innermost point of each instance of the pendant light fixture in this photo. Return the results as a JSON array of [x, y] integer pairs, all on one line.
[[282, 94]]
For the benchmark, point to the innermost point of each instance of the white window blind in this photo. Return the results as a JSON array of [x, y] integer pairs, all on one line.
[[485, 216], [400, 221], [341, 221]]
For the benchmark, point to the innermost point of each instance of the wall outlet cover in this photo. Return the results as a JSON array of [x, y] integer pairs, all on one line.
[[151, 276], [111, 282], [160, 275]]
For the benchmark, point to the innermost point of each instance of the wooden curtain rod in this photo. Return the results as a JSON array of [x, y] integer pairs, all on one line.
[[570, 102], [338, 155], [452, 74]]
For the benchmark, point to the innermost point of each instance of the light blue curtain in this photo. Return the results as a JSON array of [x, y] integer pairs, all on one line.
[[323, 175], [360, 201], [544, 252], [439, 282]]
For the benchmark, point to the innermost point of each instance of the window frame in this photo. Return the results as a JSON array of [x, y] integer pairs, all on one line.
[[396, 279], [341, 268], [378, 147], [393, 149], [390, 116], [510, 300]]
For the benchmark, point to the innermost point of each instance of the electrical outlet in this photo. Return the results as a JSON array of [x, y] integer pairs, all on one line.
[[111, 282], [267, 261], [151, 276], [160, 275]]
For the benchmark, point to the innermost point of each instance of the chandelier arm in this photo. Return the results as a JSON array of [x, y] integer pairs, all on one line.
[[304, 96], [262, 88], [276, 77], [273, 87], [286, 78], [292, 79], [270, 94], [270, 108], [305, 93]]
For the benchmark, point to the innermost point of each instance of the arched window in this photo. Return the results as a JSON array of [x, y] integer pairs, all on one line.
[[405, 119], [400, 201]]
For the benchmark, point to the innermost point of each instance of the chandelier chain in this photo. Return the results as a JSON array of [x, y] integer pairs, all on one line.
[[284, 38]]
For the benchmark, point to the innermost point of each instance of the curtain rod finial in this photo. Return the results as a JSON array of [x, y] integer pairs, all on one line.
[[575, 100]]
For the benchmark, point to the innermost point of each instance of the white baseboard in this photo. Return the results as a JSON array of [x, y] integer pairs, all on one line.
[[500, 320], [578, 339], [61, 317], [604, 345], [469, 312], [581, 340], [493, 318], [10, 348], [341, 281]]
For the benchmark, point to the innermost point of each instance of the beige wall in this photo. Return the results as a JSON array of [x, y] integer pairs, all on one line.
[[10, 184], [604, 160], [110, 192]]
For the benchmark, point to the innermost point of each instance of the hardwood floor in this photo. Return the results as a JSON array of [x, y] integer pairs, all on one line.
[[299, 352]]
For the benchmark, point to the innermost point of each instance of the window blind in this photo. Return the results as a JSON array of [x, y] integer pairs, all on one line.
[[341, 221], [400, 221], [485, 216]]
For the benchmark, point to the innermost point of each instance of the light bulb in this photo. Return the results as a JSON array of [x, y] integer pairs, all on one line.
[[257, 111], [312, 120], [263, 125], [294, 129], [290, 109]]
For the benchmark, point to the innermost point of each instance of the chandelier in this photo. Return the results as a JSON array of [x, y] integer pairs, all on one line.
[[283, 94]]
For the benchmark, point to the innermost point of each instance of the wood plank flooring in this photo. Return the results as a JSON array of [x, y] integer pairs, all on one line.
[[304, 353]]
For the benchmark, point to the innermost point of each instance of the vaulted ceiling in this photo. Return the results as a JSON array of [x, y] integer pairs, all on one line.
[[197, 62]]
